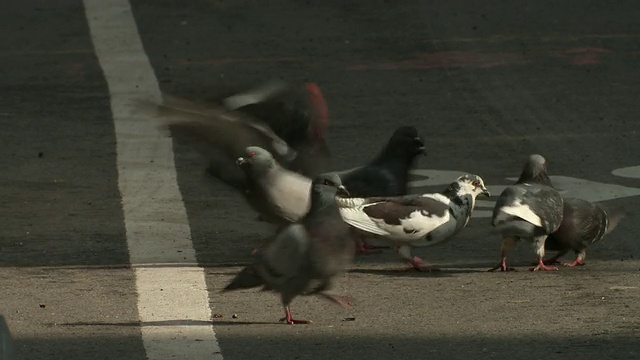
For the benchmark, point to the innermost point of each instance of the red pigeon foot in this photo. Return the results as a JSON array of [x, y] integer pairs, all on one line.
[[576, 262], [290, 320], [542, 266], [415, 265], [502, 265]]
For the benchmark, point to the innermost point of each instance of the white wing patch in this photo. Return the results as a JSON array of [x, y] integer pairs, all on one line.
[[521, 211], [412, 228]]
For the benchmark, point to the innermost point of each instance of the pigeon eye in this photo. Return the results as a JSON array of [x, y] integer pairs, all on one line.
[[328, 182], [475, 183], [252, 154]]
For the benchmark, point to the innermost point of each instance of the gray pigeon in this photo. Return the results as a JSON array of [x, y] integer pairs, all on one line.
[[415, 220], [303, 258], [279, 195], [535, 171], [583, 224], [530, 211]]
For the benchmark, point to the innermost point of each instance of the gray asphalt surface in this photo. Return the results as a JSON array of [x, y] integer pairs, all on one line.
[[485, 82]]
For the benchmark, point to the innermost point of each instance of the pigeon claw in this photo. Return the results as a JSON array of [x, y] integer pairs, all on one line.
[[542, 266], [290, 320], [361, 249], [576, 262], [502, 265]]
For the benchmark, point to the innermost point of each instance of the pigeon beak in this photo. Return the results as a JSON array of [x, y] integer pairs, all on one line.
[[486, 192], [241, 161], [342, 191]]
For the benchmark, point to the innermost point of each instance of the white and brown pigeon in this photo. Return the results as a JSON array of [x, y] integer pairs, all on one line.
[[583, 224], [303, 258], [415, 220], [530, 209]]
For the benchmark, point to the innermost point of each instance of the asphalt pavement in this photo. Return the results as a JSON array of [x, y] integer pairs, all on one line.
[[485, 82]]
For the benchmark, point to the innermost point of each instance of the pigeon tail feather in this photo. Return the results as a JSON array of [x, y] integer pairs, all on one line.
[[614, 216]]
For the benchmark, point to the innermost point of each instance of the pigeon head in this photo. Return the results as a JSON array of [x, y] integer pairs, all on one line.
[[256, 158], [535, 171], [469, 185], [329, 183], [404, 143]]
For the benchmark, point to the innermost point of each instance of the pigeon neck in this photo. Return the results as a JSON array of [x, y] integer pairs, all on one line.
[[321, 201], [536, 178]]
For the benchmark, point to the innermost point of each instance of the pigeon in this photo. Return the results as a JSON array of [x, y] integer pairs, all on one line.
[[583, 224], [304, 257], [279, 195], [531, 211], [298, 115], [535, 171], [387, 174], [293, 131], [416, 220]]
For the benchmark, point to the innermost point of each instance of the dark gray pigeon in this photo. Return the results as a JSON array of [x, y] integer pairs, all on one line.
[[535, 171], [583, 224], [304, 258], [530, 211], [387, 174]]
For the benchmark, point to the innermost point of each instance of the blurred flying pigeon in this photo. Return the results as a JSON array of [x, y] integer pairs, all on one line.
[[416, 220], [303, 258], [294, 131], [583, 224], [299, 115]]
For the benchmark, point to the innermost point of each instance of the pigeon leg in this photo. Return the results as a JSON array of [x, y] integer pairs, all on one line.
[[344, 301], [553, 260], [578, 261], [405, 252], [290, 320], [360, 249], [538, 244], [368, 245], [508, 243]]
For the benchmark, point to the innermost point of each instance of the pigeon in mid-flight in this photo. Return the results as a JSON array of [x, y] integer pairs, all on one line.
[[583, 224], [303, 258], [530, 209], [289, 122], [416, 220], [297, 114]]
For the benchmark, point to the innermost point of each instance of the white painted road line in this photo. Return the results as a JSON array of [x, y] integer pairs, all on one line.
[[630, 172], [173, 302]]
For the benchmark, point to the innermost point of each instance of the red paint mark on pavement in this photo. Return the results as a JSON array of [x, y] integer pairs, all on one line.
[[447, 59], [585, 55], [219, 62]]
